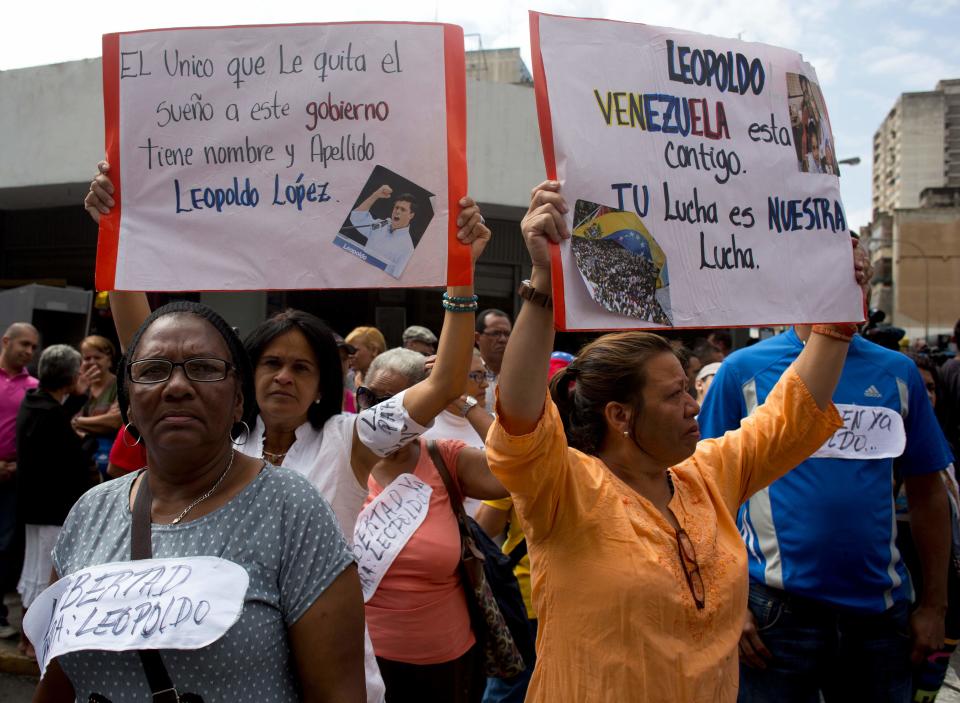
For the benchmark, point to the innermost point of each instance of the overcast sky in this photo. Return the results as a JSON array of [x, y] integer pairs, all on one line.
[[866, 52]]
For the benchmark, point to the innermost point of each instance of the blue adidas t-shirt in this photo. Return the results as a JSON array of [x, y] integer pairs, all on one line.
[[827, 529]]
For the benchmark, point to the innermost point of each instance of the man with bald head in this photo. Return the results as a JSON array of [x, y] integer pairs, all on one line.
[[17, 347]]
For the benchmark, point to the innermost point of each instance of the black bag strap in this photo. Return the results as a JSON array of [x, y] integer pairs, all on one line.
[[517, 553], [141, 547]]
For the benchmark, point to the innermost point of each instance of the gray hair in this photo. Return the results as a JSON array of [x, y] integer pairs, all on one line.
[[405, 362], [420, 334], [59, 366]]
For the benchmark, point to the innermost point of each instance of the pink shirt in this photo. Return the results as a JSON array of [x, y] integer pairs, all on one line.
[[12, 390], [418, 614]]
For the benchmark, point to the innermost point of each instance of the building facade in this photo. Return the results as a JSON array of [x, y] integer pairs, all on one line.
[[914, 237]]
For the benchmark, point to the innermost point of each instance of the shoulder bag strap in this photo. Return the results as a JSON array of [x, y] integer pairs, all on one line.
[[141, 547], [517, 553], [453, 490]]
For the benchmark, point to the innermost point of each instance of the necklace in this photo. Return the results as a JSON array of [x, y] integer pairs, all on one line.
[[209, 493], [275, 458]]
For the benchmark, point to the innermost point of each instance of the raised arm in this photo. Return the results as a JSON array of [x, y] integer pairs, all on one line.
[[129, 309], [524, 372], [378, 194], [425, 400]]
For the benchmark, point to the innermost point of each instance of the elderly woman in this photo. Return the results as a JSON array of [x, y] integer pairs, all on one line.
[[99, 419], [298, 385], [418, 615], [53, 470], [640, 578], [185, 386]]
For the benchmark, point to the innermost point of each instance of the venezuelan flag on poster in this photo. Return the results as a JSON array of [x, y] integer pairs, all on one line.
[[627, 230]]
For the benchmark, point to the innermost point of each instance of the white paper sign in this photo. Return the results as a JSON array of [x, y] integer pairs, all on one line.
[[868, 432], [281, 157], [385, 526], [701, 176], [179, 603]]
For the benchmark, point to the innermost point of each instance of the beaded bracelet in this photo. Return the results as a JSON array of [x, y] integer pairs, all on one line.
[[454, 307], [461, 300]]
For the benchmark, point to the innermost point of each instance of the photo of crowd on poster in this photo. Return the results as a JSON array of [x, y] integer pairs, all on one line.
[[386, 222], [812, 135], [623, 267]]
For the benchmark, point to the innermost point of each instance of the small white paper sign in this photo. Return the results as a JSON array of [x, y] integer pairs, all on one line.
[[386, 525], [868, 432], [178, 603]]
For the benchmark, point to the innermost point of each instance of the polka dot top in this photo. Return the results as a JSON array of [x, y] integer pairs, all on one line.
[[278, 528]]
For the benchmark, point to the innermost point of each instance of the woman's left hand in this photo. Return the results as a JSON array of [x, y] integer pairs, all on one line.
[[473, 230]]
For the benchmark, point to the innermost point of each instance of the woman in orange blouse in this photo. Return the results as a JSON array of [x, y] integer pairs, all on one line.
[[639, 573]]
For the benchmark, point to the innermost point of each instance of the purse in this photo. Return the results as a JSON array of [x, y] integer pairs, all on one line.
[[501, 657]]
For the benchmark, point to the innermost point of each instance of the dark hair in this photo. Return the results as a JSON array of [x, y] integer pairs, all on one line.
[[609, 369], [956, 333], [324, 346], [238, 356], [707, 352], [925, 362], [483, 314], [408, 198]]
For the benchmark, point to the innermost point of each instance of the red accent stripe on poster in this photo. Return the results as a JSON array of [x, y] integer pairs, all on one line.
[[109, 238], [459, 271], [549, 160]]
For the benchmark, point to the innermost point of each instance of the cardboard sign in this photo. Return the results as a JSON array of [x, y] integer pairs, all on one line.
[[179, 603], [868, 432], [384, 527], [701, 176], [284, 157]]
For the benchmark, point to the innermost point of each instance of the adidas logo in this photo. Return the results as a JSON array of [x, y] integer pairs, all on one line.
[[871, 392]]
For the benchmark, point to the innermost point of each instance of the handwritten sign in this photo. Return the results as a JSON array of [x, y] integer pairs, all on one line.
[[386, 427], [701, 176], [384, 527], [181, 603], [868, 432], [284, 157]]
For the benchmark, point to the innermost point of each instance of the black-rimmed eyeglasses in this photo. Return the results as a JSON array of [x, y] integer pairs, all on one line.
[[203, 369]]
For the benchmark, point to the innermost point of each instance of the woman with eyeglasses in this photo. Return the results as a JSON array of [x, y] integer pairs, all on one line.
[[299, 386], [640, 578], [185, 386]]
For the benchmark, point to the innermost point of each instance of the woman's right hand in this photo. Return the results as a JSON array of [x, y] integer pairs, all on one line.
[[544, 222], [99, 199]]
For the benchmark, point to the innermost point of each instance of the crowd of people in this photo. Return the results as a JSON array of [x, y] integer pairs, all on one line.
[[621, 281], [683, 522]]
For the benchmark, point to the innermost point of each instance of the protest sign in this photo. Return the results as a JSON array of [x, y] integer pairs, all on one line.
[[701, 177], [178, 603], [385, 525], [868, 432], [284, 157]]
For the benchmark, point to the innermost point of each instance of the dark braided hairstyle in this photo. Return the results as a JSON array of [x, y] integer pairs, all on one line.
[[609, 369], [238, 355]]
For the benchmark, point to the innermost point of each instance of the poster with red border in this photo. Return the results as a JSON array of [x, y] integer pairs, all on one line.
[[701, 177], [308, 156]]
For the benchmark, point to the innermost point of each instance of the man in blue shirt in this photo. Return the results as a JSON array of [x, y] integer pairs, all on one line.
[[829, 608]]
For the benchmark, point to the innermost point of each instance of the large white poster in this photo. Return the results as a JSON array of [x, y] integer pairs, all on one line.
[[701, 175], [281, 157]]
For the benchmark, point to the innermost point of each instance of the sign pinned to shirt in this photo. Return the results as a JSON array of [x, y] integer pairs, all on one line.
[[868, 432], [241, 153], [701, 176], [177, 603], [385, 525]]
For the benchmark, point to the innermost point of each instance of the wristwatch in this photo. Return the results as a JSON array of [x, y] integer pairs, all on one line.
[[528, 292], [469, 403]]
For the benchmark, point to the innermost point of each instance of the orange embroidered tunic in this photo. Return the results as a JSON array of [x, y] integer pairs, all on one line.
[[616, 617]]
